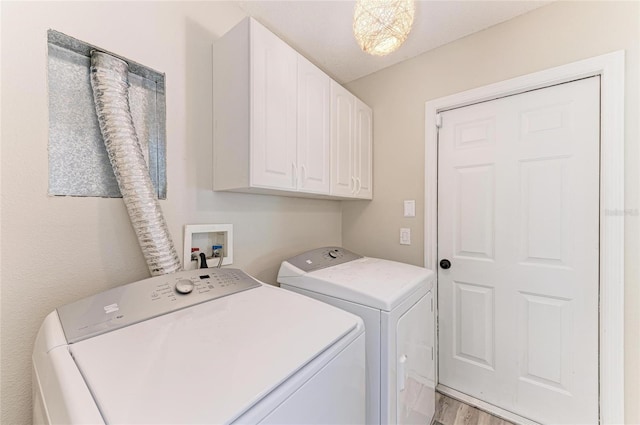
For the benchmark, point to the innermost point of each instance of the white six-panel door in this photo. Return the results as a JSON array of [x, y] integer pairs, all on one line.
[[518, 214]]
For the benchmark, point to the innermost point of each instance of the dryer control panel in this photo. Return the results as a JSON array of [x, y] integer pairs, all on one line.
[[149, 298], [322, 258]]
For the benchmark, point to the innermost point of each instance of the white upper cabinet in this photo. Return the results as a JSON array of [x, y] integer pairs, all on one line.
[[314, 128], [351, 145], [342, 141], [273, 110], [274, 122], [363, 155]]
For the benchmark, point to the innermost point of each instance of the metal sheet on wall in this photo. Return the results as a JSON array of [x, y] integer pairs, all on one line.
[[78, 161]]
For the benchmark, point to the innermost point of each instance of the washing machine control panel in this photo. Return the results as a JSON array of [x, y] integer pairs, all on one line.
[[139, 301], [322, 258]]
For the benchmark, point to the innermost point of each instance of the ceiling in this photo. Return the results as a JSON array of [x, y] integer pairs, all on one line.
[[322, 30]]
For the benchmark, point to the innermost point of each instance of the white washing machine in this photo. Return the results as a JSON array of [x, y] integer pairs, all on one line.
[[203, 346], [396, 303]]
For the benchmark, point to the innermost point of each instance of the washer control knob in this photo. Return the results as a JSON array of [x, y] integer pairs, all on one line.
[[184, 286]]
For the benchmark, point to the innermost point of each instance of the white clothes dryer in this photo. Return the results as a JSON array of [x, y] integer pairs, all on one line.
[[208, 346], [396, 303]]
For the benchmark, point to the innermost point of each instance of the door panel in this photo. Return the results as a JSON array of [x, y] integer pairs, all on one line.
[[475, 134], [518, 216], [415, 401], [342, 126], [363, 155], [314, 122], [474, 324], [474, 211], [544, 222], [274, 110], [545, 322]]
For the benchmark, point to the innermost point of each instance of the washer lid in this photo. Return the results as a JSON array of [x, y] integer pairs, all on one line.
[[373, 282], [211, 362]]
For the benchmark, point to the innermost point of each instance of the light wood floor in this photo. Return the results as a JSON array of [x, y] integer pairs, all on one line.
[[454, 412]]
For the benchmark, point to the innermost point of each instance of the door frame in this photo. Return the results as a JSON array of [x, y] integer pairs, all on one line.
[[610, 68]]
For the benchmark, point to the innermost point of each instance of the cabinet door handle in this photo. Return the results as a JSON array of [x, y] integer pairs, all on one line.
[[303, 172], [402, 362], [353, 184], [359, 185], [294, 169]]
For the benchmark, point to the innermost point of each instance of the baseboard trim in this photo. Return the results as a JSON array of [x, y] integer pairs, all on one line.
[[484, 406]]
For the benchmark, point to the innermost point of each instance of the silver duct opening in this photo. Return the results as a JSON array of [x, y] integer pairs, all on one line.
[[110, 86]]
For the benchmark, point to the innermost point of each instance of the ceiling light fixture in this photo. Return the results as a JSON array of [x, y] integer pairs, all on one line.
[[381, 26]]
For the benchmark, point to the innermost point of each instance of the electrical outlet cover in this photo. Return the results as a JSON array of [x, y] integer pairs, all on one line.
[[405, 236]]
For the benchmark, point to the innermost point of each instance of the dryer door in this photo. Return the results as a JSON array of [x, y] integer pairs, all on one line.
[[415, 388]]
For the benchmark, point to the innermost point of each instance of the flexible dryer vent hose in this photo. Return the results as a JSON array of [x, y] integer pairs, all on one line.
[[110, 84]]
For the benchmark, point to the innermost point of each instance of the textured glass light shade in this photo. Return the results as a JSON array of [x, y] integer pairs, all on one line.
[[381, 26]]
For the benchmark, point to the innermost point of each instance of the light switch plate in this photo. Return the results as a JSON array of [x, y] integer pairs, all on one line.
[[405, 236], [410, 208]]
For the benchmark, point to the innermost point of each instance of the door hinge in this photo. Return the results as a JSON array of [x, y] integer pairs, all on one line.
[[438, 120], [432, 305]]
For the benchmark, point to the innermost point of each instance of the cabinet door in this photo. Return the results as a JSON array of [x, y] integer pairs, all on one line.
[[314, 124], [342, 126], [363, 151], [273, 110], [415, 389]]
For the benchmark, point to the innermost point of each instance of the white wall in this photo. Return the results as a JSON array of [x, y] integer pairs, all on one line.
[[57, 250], [553, 35]]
